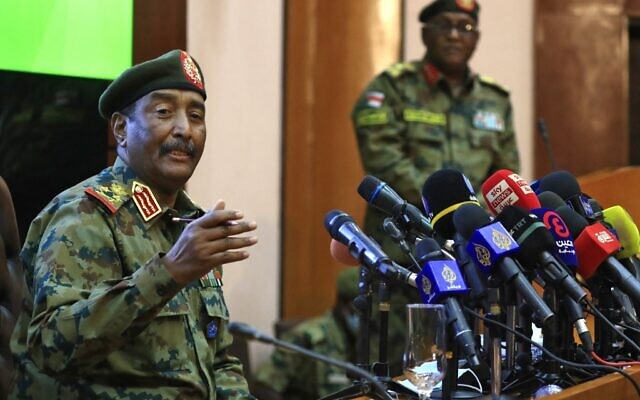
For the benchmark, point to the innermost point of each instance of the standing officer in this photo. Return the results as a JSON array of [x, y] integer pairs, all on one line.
[[418, 117], [125, 271]]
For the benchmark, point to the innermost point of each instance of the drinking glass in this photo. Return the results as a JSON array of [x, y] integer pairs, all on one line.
[[424, 359]]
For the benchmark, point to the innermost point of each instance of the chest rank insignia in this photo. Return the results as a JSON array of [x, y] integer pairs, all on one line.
[[145, 201], [488, 121], [212, 278]]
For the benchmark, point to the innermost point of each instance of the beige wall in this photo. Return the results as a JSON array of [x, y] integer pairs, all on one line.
[[239, 46], [505, 52]]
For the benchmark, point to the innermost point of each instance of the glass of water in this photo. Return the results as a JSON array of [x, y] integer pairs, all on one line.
[[424, 358]]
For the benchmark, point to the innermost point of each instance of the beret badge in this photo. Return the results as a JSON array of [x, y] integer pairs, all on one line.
[[191, 70]]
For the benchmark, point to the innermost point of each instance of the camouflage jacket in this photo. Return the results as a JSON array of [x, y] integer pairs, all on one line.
[[107, 320], [299, 378], [409, 125]]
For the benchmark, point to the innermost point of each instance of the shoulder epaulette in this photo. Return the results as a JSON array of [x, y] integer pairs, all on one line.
[[398, 69], [111, 194], [489, 81]]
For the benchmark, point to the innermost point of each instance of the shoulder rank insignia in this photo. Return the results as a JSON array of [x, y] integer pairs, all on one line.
[[400, 68], [487, 80], [111, 195], [145, 201]]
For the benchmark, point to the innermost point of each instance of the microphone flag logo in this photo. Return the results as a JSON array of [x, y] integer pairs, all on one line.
[[449, 275], [483, 255]]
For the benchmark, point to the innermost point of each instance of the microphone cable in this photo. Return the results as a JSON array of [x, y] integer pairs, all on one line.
[[600, 315], [570, 364]]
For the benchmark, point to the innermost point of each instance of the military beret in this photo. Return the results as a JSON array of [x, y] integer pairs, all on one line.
[[173, 70], [347, 282], [470, 7]]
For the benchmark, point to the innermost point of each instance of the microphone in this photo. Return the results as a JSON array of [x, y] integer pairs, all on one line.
[[505, 188], [441, 280], [626, 231], [384, 198], [442, 193], [344, 229], [544, 133], [248, 332], [567, 187], [537, 243], [549, 199], [576, 315], [490, 246], [595, 244]]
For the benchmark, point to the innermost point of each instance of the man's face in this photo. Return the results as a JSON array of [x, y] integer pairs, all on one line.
[[164, 137], [451, 39]]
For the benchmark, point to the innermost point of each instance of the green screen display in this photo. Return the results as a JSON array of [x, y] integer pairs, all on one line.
[[83, 38]]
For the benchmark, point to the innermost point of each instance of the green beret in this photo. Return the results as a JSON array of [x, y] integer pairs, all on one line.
[[173, 70], [470, 7], [347, 282]]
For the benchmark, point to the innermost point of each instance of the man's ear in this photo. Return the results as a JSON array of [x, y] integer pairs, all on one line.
[[119, 127]]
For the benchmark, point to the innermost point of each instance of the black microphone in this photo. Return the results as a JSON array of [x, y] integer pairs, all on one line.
[[442, 193], [490, 246], [384, 198], [567, 187], [446, 281], [344, 229], [544, 133], [246, 331], [537, 244]]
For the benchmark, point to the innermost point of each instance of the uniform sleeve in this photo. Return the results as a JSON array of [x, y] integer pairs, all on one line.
[[230, 381], [382, 138], [507, 157], [83, 307]]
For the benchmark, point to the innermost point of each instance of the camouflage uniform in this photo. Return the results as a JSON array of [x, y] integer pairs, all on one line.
[[300, 378], [108, 320], [409, 125]]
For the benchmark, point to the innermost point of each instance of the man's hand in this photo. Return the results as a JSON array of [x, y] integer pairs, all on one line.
[[208, 242]]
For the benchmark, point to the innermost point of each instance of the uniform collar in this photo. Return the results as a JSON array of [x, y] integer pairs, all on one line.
[[119, 184], [434, 76]]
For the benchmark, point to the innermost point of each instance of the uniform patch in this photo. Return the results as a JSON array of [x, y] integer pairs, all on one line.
[[489, 121], [191, 70], [374, 99], [370, 117], [145, 201], [424, 116], [213, 278]]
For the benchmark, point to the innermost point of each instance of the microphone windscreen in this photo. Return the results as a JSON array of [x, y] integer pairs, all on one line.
[[530, 233], [550, 200], [378, 194], [428, 249], [442, 193], [561, 183], [341, 254], [505, 188], [626, 230], [469, 217], [574, 221]]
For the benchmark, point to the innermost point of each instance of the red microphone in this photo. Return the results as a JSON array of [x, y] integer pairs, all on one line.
[[506, 188], [341, 254], [594, 245]]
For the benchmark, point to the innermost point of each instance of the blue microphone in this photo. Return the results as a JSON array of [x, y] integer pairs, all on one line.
[[490, 246], [440, 281]]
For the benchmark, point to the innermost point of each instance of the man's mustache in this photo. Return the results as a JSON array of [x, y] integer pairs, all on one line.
[[178, 145]]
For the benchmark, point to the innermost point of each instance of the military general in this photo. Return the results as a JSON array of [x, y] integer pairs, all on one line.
[[124, 271]]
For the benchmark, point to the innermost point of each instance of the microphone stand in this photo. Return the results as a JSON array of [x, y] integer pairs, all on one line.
[[371, 388], [494, 334], [363, 304]]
